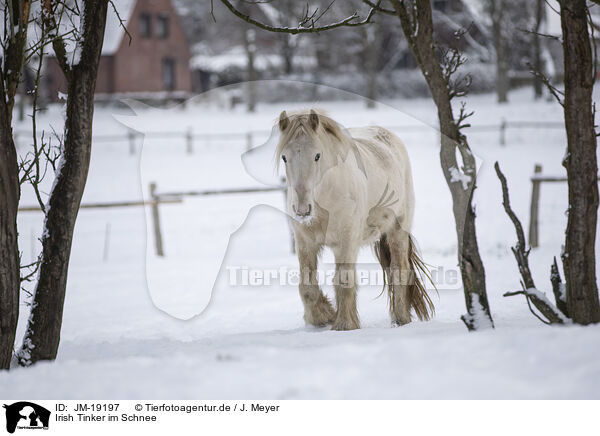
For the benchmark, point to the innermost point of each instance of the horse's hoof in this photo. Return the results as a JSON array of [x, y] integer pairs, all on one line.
[[320, 317], [399, 322], [343, 325]]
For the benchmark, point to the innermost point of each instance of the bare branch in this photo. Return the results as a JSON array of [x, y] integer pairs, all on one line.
[[558, 289], [121, 22], [212, 11], [14, 52], [510, 294], [379, 8], [556, 93], [543, 35], [462, 117], [522, 256], [350, 21], [58, 42]]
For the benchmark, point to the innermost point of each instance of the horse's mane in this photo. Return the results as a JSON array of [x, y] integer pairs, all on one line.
[[328, 132]]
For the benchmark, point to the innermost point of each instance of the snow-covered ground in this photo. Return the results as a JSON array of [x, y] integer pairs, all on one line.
[[137, 327]]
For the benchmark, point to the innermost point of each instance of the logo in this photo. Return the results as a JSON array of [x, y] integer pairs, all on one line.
[[26, 415]]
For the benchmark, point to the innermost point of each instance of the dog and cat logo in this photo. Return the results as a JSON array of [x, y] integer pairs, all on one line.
[[26, 415]]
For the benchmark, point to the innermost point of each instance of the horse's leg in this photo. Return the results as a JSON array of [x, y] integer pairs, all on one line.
[[401, 275], [345, 289], [318, 310]]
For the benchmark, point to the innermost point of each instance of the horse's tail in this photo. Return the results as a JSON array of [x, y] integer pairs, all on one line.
[[418, 299]]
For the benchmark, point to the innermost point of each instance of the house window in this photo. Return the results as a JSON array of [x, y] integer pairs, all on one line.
[[162, 26], [145, 25], [168, 73]]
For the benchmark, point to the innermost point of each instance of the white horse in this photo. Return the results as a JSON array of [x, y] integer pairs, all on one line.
[[346, 189]]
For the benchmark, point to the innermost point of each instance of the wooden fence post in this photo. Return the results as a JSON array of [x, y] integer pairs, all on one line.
[[503, 132], [131, 137], [189, 138], [535, 207], [158, 242]]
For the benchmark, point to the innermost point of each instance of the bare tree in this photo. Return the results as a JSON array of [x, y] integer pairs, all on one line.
[[497, 14], [579, 257], [552, 314], [42, 335], [372, 49], [16, 15], [9, 253], [438, 67], [540, 7], [580, 300], [250, 43]]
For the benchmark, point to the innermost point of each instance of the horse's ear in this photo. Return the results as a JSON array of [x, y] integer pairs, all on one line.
[[284, 121], [313, 120]]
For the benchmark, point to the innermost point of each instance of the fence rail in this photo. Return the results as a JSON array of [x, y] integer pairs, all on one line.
[[162, 197], [109, 205], [534, 209], [190, 137]]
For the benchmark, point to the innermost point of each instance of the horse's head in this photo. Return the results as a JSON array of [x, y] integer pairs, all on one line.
[[301, 151]]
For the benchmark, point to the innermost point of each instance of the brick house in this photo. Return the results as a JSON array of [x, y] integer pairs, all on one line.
[[156, 61]]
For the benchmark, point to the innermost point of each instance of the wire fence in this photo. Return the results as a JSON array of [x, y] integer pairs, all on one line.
[[249, 139], [190, 138]]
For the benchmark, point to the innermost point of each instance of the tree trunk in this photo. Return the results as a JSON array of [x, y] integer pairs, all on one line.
[[42, 336], [537, 48], [287, 53], [579, 259], [502, 83], [15, 36], [250, 39], [418, 29], [371, 43], [9, 252]]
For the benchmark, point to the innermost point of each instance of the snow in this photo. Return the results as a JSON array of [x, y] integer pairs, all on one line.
[[113, 32], [542, 296], [459, 176], [236, 57], [137, 326]]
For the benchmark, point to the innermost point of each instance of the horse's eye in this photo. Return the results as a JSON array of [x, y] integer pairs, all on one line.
[[284, 159], [317, 157]]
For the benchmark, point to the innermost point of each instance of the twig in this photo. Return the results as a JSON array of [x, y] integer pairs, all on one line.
[[543, 35], [521, 255], [557, 289], [379, 8], [58, 42], [349, 21], [212, 10], [556, 93], [121, 23]]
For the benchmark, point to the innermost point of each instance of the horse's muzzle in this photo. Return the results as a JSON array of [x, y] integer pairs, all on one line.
[[301, 212]]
